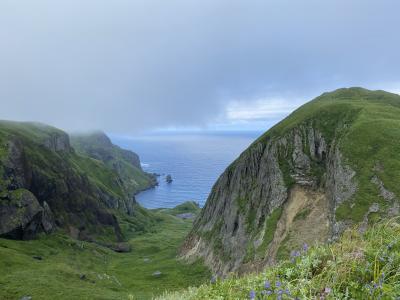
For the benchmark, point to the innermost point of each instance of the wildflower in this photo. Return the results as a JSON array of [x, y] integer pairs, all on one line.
[[327, 290], [213, 279], [305, 247], [278, 284], [252, 294], [287, 292], [295, 253], [267, 285]]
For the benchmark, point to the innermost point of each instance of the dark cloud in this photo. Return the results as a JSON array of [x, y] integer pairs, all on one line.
[[130, 65]]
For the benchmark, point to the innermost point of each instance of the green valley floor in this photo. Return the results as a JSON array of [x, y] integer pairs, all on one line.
[[58, 267]]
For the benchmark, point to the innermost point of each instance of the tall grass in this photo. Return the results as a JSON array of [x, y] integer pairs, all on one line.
[[358, 266]]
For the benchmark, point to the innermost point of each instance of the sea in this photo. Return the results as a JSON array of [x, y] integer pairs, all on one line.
[[194, 161]]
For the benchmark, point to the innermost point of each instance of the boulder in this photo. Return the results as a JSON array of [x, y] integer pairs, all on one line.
[[20, 214], [157, 274], [122, 247]]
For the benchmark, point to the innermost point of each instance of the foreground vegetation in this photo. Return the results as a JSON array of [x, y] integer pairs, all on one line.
[[358, 266], [58, 267]]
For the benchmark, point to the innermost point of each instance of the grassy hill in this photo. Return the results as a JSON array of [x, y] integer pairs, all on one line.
[[367, 124], [332, 164]]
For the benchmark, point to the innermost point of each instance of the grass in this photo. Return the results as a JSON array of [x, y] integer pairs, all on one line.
[[186, 207], [270, 227], [79, 190], [358, 266], [366, 126], [99, 147], [108, 275]]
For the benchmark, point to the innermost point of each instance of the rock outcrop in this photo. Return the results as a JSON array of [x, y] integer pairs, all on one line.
[[45, 184], [297, 184]]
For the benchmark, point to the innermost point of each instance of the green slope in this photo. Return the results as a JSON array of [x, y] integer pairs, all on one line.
[[126, 163], [108, 275], [83, 193], [366, 125], [331, 164], [358, 266]]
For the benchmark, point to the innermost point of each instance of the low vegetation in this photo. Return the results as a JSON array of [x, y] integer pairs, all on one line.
[[186, 207], [358, 266], [58, 267]]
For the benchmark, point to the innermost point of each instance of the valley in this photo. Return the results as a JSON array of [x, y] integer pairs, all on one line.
[[313, 197], [72, 269]]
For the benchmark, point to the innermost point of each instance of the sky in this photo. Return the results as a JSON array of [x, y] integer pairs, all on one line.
[[127, 66]]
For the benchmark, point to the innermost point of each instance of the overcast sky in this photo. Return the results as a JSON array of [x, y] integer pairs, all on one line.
[[128, 66]]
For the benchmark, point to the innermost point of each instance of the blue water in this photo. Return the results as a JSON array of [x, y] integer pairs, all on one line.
[[195, 161]]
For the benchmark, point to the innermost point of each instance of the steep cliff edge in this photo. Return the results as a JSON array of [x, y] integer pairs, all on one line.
[[332, 163], [126, 163], [45, 184]]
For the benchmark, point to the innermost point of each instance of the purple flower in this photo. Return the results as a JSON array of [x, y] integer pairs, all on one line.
[[267, 284], [252, 294], [278, 284], [327, 290], [295, 253], [305, 247]]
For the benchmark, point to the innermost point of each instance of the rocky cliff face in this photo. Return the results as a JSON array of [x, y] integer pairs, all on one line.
[[126, 163], [45, 185], [289, 188]]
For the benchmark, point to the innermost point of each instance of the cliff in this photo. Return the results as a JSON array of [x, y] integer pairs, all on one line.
[[45, 184], [126, 163], [332, 163]]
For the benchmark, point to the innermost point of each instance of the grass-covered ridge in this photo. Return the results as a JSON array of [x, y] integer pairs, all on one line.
[[365, 125], [39, 158], [186, 207], [358, 266], [126, 163]]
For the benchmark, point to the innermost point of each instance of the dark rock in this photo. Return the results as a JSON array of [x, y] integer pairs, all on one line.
[[169, 179], [20, 215], [47, 218], [37, 257], [58, 142], [82, 277], [122, 247]]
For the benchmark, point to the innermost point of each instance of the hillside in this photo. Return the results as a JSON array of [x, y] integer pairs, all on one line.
[[126, 163], [71, 269], [333, 163], [45, 184], [358, 266]]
